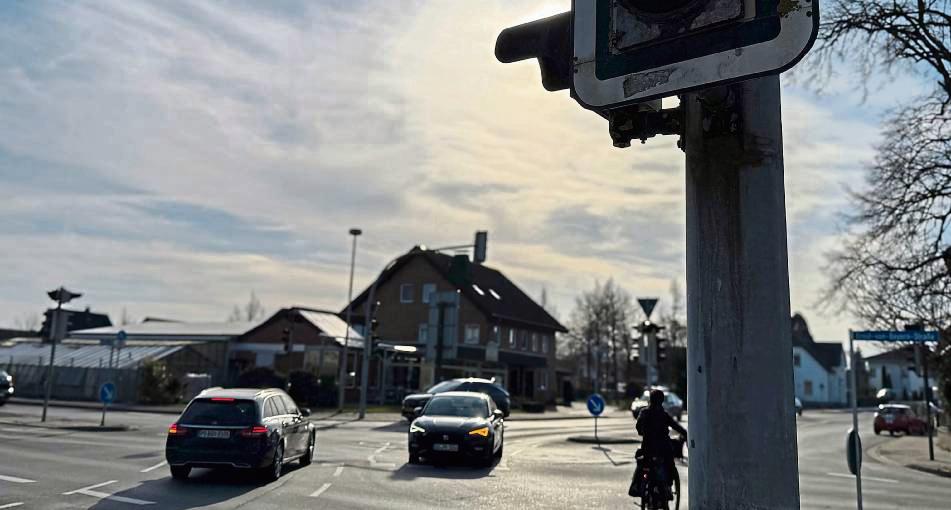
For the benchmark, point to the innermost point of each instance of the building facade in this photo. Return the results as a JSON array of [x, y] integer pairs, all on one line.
[[495, 331], [819, 368], [897, 370]]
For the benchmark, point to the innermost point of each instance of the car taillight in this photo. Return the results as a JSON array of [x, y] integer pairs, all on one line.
[[255, 431], [175, 430]]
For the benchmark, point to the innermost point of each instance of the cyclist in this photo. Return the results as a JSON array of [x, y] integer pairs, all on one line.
[[653, 425]]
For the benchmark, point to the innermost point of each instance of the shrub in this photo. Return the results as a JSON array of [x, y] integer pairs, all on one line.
[[158, 385]]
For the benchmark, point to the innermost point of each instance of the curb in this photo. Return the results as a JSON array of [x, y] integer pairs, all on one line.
[[875, 453], [74, 428], [930, 470], [96, 406], [602, 440]]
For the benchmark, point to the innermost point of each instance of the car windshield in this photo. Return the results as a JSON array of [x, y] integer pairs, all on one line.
[[464, 407], [221, 413], [444, 387]]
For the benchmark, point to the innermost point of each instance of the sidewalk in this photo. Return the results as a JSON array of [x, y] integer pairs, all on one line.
[[912, 452]]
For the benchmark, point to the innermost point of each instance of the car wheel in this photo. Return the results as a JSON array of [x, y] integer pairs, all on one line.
[[180, 472], [273, 472], [891, 432], [309, 456], [799, 412], [878, 431], [413, 457], [498, 454]]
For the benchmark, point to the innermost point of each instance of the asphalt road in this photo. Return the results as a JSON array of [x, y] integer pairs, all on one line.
[[363, 465]]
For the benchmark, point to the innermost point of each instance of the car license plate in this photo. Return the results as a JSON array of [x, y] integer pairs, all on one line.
[[889, 419], [443, 447], [214, 434]]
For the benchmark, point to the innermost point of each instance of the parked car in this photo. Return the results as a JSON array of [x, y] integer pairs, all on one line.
[[458, 424], [673, 404], [498, 394], [894, 418], [6, 387], [240, 428], [798, 404]]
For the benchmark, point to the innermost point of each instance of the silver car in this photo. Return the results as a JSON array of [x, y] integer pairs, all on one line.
[[673, 404]]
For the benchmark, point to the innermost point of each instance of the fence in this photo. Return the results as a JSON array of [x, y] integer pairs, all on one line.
[[73, 383]]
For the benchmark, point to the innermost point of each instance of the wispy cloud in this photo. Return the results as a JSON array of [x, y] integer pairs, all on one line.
[[172, 156]]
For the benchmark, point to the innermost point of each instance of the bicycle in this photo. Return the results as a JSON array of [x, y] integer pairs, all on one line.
[[650, 484]]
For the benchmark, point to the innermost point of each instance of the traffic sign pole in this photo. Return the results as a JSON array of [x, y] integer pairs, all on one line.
[[738, 301], [857, 445]]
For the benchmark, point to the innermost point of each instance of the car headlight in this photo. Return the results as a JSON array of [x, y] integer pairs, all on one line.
[[484, 432], [416, 429]]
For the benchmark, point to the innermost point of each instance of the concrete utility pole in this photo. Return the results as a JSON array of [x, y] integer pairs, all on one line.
[[345, 353], [367, 350], [743, 452]]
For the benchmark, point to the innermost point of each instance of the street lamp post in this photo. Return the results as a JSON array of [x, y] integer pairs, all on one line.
[[345, 355]]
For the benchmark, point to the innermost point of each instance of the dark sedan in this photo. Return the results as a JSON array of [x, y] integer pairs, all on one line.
[[457, 425], [240, 428], [498, 394], [6, 387]]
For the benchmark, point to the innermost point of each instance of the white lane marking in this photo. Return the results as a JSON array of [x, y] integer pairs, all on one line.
[[338, 471], [869, 478], [153, 468], [15, 479], [372, 457], [323, 488], [88, 491], [11, 505]]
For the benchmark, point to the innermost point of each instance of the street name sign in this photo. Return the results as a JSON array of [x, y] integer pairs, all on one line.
[[595, 404], [633, 51], [897, 336], [107, 393]]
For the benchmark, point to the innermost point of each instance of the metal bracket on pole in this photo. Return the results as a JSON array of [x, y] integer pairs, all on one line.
[[637, 123]]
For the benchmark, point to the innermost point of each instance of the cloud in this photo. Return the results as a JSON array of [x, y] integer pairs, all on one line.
[[170, 157]]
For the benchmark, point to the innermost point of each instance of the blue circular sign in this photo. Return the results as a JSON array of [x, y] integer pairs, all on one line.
[[121, 335], [107, 393], [596, 404]]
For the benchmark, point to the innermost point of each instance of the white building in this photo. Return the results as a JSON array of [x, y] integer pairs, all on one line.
[[819, 368], [896, 370]]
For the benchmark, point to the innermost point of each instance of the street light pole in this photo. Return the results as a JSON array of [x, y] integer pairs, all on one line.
[[345, 355]]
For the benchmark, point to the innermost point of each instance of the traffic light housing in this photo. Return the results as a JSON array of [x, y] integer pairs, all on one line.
[[374, 322], [549, 40], [286, 339], [662, 344]]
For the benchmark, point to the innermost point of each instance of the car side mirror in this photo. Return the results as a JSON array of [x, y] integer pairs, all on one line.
[[498, 414], [418, 411], [305, 412]]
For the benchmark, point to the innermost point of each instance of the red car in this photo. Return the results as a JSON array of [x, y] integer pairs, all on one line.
[[898, 418]]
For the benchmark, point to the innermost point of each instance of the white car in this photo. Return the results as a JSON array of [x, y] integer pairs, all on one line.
[[798, 406]]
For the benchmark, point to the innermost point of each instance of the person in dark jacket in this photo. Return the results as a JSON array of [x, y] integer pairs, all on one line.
[[654, 424]]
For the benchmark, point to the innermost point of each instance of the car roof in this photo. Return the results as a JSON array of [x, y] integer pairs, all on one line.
[[894, 406], [241, 393], [476, 394]]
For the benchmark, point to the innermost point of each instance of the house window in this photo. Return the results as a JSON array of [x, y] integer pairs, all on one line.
[[796, 360], [523, 340], [423, 335], [807, 387], [428, 290], [512, 338], [544, 381], [406, 293], [496, 334], [472, 333], [535, 342], [545, 344]]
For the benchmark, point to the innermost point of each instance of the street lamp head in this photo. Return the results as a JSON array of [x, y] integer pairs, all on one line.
[[355, 231], [61, 295]]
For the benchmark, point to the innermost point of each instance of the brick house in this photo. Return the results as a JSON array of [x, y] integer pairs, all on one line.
[[500, 333]]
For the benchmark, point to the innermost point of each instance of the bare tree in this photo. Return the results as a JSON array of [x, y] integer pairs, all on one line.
[[253, 310], [894, 266], [27, 322], [673, 315]]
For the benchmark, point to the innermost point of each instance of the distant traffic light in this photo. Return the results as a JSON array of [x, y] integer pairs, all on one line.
[[662, 344], [374, 322], [286, 339]]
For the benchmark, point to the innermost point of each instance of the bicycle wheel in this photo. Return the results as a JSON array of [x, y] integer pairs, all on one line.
[[676, 491]]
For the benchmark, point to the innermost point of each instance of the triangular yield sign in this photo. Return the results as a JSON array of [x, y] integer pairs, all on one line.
[[647, 304]]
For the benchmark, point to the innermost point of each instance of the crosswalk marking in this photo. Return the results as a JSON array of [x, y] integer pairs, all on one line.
[[338, 471], [15, 479], [11, 505], [323, 488]]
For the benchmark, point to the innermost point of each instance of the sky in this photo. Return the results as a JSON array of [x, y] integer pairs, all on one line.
[[169, 158]]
